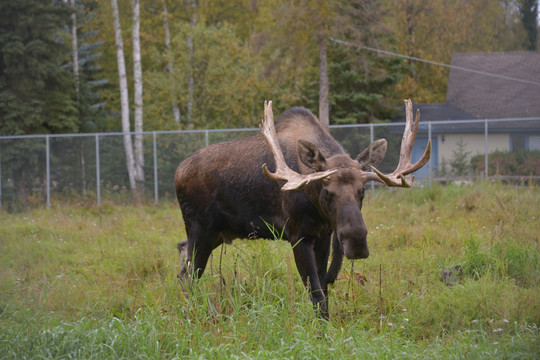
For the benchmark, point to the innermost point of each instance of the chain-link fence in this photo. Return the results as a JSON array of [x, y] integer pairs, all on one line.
[[43, 169]]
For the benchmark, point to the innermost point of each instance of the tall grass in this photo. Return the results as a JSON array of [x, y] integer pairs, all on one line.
[[100, 282]]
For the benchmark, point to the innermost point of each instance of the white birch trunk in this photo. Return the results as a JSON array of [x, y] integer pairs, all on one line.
[[138, 94], [75, 55], [191, 85], [324, 111], [75, 47], [124, 99], [170, 66]]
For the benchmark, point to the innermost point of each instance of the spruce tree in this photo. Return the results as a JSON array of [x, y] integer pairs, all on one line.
[[37, 94], [528, 10], [37, 89]]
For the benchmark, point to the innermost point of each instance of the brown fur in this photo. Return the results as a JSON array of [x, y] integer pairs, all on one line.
[[224, 194]]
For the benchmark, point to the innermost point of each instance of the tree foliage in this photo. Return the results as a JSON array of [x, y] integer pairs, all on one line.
[[528, 9], [363, 82], [37, 95], [242, 52], [435, 29], [226, 77]]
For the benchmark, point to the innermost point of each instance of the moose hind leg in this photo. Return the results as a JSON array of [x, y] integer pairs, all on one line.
[[185, 260], [195, 251]]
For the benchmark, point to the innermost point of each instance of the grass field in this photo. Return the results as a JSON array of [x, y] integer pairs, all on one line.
[[82, 281]]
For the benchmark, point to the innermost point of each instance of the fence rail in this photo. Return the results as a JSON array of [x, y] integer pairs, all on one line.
[[34, 168]]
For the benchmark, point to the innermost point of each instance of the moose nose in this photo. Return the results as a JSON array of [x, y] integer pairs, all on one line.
[[354, 243], [352, 253]]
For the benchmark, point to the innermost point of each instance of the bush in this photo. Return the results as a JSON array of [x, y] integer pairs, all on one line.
[[509, 163]]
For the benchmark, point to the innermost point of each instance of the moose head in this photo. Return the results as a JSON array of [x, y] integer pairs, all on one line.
[[338, 181]]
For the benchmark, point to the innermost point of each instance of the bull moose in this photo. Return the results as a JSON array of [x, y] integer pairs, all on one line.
[[309, 188]]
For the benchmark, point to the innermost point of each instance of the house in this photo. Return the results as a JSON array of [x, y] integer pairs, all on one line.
[[501, 89]]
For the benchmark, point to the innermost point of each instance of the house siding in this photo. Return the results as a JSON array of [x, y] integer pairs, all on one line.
[[474, 144]]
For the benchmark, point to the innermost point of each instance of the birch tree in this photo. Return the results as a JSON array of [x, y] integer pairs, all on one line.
[[124, 98], [321, 15], [75, 58], [75, 47], [138, 94], [192, 24], [170, 66], [324, 108]]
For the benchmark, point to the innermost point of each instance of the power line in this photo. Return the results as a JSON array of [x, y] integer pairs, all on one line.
[[437, 63]]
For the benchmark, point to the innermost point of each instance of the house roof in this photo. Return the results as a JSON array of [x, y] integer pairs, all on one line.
[[440, 112], [479, 96], [448, 118], [486, 96]]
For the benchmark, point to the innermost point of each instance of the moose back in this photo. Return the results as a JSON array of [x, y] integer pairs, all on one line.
[[308, 186]]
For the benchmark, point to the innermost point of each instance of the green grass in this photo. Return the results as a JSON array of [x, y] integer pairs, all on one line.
[[82, 281]]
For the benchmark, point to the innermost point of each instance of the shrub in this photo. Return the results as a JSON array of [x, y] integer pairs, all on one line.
[[509, 163]]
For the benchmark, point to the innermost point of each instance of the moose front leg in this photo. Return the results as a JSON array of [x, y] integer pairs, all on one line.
[[321, 248], [306, 263]]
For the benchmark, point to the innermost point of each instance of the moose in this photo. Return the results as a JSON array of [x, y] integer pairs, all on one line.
[[309, 188]]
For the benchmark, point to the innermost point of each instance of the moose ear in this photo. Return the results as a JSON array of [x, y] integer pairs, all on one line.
[[311, 156], [373, 155]]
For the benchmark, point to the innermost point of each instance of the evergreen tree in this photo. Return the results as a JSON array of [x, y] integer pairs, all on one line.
[[90, 103], [460, 162], [361, 85], [37, 94], [528, 10], [37, 87], [362, 82]]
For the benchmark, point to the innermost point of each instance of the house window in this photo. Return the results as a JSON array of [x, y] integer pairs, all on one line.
[[524, 142], [534, 142], [518, 142]]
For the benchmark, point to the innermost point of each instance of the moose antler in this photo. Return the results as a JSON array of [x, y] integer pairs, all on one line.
[[294, 180], [397, 177]]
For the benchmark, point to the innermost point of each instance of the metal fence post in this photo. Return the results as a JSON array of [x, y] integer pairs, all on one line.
[[155, 169], [48, 172], [486, 149], [430, 168], [206, 137], [372, 138], [98, 179]]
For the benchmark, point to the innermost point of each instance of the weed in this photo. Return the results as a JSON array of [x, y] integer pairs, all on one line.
[[100, 282]]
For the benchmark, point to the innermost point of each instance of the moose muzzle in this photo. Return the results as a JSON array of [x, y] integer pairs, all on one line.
[[352, 234], [354, 245]]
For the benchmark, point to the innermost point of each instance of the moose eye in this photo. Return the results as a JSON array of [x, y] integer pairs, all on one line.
[[327, 195]]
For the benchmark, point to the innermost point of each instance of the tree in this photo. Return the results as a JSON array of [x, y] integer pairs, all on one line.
[[460, 163], [322, 15], [138, 94], [435, 29], [285, 46], [528, 10], [324, 107], [302, 31], [37, 90], [170, 63], [191, 8], [362, 85], [75, 47], [128, 146], [220, 77], [37, 94], [363, 82]]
